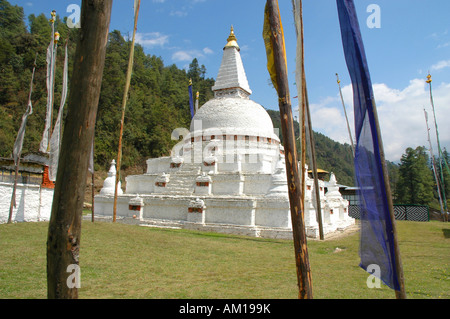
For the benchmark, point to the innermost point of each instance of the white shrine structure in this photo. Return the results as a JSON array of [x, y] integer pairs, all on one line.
[[227, 175]]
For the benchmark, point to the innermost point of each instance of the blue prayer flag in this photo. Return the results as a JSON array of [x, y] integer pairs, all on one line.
[[377, 246], [191, 99]]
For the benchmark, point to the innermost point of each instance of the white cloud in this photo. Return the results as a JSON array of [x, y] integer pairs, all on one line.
[[386, 94], [327, 111], [441, 38], [400, 113], [245, 47], [443, 45], [189, 55], [323, 114], [151, 39], [179, 13], [441, 65], [183, 11], [208, 51], [180, 56]]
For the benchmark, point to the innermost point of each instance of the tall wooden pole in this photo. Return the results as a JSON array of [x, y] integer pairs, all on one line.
[[63, 242], [13, 196], [433, 164], [303, 105], [305, 114], [314, 164], [124, 105], [293, 176], [93, 196], [93, 179], [346, 117], [52, 78], [429, 80], [401, 293]]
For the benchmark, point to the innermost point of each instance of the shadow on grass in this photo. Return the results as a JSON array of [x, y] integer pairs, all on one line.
[[207, 234], [446, 232]]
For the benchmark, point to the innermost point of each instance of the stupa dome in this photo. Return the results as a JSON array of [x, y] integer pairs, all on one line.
[[231, 111], [237, 115]]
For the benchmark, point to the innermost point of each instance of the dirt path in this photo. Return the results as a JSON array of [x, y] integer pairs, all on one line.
[[339, 234]]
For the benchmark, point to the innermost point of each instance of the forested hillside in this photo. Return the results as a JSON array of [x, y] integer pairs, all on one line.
[[18, 48], [158, 99]]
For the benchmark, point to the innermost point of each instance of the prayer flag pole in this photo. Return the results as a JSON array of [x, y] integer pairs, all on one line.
[[196, 101], [56, 135], [50, 79], [400, 293], [346, 117], [64, 230], [276, 56], [92, 170], [124, 105], [433, 164], [191, 99], [312, 149], [304, 113], [429, 80]]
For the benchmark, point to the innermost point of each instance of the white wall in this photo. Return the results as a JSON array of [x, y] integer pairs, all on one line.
[[141, 184], [158, 165], [33, 203]]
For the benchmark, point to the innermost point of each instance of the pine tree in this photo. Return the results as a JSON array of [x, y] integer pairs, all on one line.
[[415, 179]]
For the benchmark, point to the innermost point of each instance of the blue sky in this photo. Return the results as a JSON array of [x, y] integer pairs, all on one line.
[[413, 39]]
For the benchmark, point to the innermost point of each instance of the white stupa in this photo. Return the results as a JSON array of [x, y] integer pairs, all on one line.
[[226, 175], [109, 185]]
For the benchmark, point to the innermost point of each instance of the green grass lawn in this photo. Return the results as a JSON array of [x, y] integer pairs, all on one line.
[[125, 261]]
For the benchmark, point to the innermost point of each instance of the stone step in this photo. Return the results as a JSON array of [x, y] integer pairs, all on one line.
[[177, 192], [178, 180], [191, 168], [181, 188], [182, 181]]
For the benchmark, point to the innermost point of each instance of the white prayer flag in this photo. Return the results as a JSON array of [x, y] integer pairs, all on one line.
[[51, 58], [19, 140], [55, 140]]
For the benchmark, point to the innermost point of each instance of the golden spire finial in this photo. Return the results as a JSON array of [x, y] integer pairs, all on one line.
[[232, 36], [232, 40]]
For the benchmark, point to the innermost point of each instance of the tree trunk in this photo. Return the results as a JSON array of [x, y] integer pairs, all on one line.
[[292, 170], [63, 244]]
